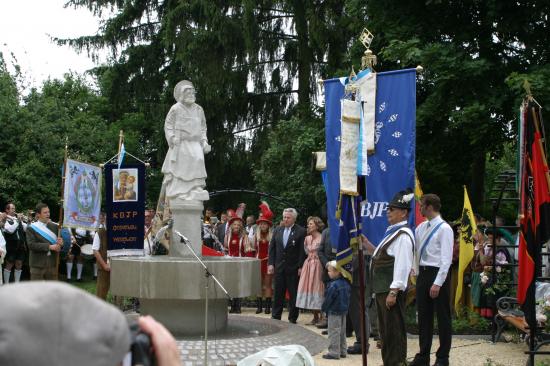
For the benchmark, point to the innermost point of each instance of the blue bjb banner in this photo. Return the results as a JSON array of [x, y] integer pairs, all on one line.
[[391, 168], [125, 208]]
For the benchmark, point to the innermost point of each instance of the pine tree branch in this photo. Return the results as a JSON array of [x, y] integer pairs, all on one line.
[[252, 95], [280, 35]]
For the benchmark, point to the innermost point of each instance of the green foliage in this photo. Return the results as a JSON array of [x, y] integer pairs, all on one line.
[[475, 56], [285, 168], [495, 165], [35, 133], [470, 322], [244, 58]]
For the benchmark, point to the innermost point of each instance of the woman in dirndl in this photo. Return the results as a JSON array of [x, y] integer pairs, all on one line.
[[262, 237], [311, 289]]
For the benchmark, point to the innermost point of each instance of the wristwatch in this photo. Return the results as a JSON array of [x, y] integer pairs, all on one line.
[[393, 293]]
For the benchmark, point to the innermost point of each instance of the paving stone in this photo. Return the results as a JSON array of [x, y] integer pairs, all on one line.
[[239, 342]]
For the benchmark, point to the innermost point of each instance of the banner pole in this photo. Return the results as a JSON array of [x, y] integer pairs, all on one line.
[[120, 141], [62, 203]]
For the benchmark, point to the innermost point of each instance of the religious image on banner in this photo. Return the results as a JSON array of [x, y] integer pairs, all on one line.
[[125, 209], [125, 185], [82, 195]]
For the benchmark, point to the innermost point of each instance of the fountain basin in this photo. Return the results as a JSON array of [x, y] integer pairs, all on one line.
[[172, 289]]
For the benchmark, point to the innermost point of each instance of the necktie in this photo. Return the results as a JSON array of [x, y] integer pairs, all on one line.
[[286, 234]]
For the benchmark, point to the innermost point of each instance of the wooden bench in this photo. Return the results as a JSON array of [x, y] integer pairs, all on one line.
[[508, 312]]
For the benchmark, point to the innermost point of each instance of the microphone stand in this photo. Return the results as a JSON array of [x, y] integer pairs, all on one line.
[[207, 274]]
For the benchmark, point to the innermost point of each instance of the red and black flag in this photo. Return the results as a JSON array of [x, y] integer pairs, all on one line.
[[534, 204]]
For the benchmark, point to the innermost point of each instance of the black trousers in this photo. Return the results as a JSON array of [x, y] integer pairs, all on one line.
[[354, 313], [285, 281], [426, 308]]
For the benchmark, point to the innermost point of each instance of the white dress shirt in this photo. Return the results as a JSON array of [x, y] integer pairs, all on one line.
[[402, 249], [439, 251], [96, 242], [10, 228]]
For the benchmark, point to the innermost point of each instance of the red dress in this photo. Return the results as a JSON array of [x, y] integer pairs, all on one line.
[[263, 253], [234, 245]]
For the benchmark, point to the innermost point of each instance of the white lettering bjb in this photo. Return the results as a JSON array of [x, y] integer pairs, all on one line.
[[374, 209]]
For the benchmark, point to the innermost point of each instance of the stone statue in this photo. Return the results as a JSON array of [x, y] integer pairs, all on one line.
[[185, 130]]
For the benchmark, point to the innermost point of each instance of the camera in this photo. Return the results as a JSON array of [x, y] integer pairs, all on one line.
[[141, 350]]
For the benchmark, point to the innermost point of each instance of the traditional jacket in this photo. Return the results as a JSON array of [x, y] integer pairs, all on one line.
[[384, 270], [40, 255]]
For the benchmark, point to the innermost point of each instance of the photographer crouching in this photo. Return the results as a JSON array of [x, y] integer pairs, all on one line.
[[68, 326]]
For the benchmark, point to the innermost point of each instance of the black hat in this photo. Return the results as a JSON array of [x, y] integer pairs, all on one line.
[[402, 199]]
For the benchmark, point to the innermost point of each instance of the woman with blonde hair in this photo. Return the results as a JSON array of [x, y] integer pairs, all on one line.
[[262, 238], [311, 289], [236, 244]]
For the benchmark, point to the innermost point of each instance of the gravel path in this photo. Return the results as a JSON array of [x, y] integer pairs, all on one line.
[[466, 350]]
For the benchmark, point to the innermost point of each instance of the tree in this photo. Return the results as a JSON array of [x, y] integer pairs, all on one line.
[[286, 168], [34, 151], [244, 57], [466, 111]]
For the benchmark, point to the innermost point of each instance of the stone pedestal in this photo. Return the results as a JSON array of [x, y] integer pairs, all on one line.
[[187, 220]]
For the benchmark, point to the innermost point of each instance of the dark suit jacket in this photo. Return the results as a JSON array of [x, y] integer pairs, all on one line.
[[326, 252], [220, 232], [39, 248], [288, 259]]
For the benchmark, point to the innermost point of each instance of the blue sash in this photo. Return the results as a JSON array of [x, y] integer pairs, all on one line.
[[427, 241], [43, 234], [391, 231]]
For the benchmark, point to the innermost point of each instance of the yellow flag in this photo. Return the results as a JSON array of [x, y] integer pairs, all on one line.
[[468, 228]]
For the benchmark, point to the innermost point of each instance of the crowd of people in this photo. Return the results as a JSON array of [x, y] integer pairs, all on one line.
[[298, 268]]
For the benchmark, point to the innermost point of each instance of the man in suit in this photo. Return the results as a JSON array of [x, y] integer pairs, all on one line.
[[286, 256], [44, 244], [223, 226]]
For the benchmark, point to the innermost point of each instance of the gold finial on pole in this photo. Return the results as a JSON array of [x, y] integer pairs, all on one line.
[[369, 59], [419, 69]]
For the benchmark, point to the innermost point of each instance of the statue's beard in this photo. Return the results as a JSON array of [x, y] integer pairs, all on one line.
[[189, 100]]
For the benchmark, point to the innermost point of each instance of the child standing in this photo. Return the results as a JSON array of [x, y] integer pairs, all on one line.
[[336, 307]]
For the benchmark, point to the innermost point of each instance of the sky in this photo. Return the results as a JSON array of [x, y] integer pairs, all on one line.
[[25, 30]]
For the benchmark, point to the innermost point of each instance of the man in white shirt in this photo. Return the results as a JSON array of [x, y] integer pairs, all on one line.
[[14, 234], [391, 264], [434, 249]]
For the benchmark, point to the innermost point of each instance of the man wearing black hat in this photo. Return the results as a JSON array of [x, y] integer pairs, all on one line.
[[434, 239], [391, 264]]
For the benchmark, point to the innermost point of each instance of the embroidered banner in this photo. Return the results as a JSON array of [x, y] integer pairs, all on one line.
[[351, 116], [125, 207], [82, 195], [391, 168]]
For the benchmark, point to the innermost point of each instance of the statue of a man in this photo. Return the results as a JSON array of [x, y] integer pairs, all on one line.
[[185, 130]]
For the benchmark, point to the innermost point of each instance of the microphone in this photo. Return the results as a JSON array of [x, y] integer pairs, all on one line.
[[183, 237]]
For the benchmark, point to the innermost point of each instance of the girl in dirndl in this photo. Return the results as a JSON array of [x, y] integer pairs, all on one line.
[[262, 238], [235, 244]]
